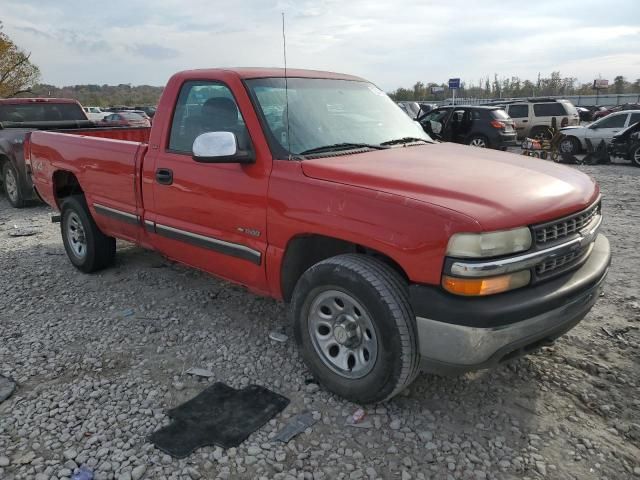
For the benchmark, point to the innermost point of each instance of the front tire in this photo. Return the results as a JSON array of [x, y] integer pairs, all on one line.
[[11, 183], [634, 155], [570, 146], [88, 249], [355, 328]]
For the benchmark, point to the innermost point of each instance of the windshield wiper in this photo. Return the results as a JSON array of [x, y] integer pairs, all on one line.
[[336, 147], [397, 141]]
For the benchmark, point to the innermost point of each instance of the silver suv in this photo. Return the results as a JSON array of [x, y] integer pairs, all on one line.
[[534, 117]]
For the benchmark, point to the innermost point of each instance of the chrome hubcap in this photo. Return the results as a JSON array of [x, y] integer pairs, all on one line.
[[11, 185], [342, 334], [478, 142], [636, 156], [76, 236]]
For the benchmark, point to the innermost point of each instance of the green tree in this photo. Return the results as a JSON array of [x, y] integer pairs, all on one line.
[[619, 84]]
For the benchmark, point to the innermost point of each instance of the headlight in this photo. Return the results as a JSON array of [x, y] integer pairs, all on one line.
[[492, 244]]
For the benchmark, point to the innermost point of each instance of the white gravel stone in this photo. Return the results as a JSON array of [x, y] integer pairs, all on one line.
[[95, 383]]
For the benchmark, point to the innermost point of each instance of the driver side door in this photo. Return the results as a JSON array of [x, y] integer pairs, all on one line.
[[211, 216]]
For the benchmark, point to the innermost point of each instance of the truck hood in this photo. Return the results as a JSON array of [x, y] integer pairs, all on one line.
[[497, 189]]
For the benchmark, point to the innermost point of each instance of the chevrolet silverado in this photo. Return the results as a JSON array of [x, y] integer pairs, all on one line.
[[395, 253]]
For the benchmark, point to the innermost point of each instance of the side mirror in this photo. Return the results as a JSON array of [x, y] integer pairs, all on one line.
[[219, 147]]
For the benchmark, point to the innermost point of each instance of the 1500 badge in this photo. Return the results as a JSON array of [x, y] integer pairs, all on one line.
[[249, 231]]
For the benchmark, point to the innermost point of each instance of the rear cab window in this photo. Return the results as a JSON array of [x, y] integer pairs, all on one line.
[[41, 112]]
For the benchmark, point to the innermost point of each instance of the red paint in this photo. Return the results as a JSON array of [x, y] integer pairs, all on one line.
[[402, 202]]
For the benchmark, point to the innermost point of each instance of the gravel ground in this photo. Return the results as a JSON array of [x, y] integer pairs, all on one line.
[[100, 358]]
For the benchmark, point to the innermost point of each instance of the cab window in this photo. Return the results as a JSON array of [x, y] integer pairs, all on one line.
[[205, 107]]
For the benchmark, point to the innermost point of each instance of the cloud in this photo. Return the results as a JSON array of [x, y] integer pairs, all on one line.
[[153, 51], [391, 43]]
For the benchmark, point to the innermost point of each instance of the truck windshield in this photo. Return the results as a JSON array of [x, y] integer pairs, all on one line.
[[40, 112], [325, 113]]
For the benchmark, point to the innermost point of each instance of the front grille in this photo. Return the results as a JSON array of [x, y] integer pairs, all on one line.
[[559, 229], [560, 264]]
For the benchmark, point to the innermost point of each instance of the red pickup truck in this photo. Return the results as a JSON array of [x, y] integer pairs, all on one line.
[[396, 253]]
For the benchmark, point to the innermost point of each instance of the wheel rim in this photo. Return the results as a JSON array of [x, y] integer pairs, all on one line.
[[636, 156], [76, 236], [478, 142], [342, 334], [566, 146], [11, 185]]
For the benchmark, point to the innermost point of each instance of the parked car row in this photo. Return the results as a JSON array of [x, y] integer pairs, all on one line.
[[98, 114], [604, 111]]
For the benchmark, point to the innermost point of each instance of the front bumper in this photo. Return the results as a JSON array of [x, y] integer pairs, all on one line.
[[458, 334]]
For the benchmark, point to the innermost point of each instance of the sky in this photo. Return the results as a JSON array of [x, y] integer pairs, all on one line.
[[392, 43]]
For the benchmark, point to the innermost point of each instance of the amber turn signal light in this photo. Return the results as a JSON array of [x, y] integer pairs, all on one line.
[[485, 286]]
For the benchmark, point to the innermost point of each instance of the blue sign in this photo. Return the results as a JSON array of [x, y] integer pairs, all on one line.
[[454, 83]]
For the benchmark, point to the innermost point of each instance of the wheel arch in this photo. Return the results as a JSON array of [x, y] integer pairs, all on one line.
[[65, 183], [305, 250]]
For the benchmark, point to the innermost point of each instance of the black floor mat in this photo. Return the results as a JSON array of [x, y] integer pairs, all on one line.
[[220, 415]]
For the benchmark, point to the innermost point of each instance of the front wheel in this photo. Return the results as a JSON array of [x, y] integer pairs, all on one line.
[[12, 186], [355, 328], [570, 146], [87, 247], [635, 155]]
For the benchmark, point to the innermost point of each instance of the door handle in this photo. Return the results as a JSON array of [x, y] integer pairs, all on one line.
[[164, 176], [525, 121]]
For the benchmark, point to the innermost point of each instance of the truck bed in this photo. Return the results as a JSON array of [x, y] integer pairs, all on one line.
[[106, 161]]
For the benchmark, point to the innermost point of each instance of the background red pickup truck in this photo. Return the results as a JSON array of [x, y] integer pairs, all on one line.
[[395, 253]]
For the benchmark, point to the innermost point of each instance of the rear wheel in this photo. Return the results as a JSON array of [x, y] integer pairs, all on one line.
[[635, 155], [87, 247], [479, 141], [570, 146], [12, 186], [355, 328]]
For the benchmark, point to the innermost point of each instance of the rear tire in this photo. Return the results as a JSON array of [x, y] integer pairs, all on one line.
[[634, 155], [479, 141], [88, 249], [355, 328], [11, 183]]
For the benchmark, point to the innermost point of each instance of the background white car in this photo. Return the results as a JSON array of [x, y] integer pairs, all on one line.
[[95, 113], [603, 129]]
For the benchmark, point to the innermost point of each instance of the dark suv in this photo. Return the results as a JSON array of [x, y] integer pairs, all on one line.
[[486, 127], [626, 144]]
